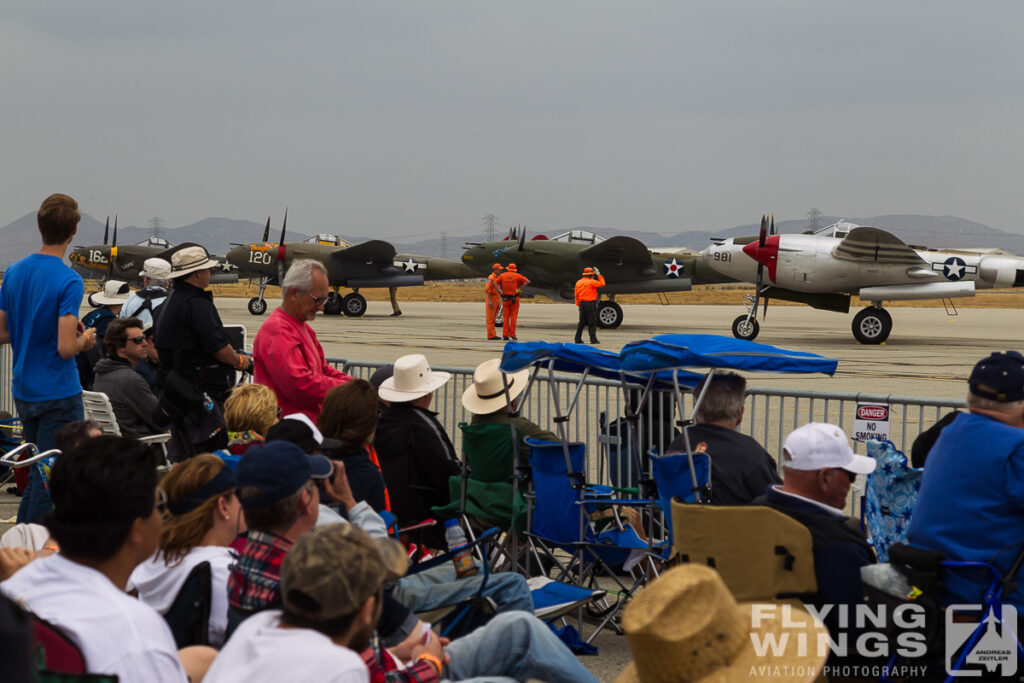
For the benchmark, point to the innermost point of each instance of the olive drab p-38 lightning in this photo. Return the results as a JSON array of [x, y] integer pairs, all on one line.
[[369, 264], [824, 268], [111, 262], [554, 265]]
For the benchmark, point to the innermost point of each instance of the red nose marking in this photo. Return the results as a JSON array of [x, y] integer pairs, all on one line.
[[280, 253], [768, 255]]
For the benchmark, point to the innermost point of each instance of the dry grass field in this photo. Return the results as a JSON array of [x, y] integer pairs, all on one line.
[[701, 295]]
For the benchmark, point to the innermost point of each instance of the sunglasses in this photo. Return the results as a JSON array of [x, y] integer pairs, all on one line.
[[852, 476], [137, 340], [318, 300]]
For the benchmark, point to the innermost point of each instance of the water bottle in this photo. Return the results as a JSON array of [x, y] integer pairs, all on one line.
[[207, 403], [457, 543]]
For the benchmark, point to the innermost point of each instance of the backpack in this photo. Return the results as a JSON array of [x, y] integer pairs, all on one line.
[[86, 360]]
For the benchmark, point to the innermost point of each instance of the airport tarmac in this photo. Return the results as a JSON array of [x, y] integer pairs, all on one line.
[[929, 353]]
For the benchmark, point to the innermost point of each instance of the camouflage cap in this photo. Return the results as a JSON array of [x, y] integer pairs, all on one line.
[[333, 569]]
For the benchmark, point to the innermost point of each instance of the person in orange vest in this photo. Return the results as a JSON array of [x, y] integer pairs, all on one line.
[[493, 300], [509, 284], [586, 299]]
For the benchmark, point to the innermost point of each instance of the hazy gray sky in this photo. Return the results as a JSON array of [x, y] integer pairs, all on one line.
[[403, 119]]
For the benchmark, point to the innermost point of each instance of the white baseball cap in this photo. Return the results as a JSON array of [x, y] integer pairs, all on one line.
[[818, 445]]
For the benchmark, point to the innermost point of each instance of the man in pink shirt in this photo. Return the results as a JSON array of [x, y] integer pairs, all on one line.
[[286, 354]]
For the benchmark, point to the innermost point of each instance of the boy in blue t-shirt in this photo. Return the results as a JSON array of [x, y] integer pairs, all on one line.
[[39, 301]]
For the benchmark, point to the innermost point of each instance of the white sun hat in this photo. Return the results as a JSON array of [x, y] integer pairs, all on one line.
[[487, 392], [190, 259], [114, 292], [413, 378]]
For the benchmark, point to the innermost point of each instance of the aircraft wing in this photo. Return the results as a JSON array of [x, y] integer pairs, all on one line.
[[876, 246], [377, 251], [617, 251]]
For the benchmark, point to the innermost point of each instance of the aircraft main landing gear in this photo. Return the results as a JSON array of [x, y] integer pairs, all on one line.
[[257, 304], [333, 304], [353, 305], [609, 315], [872, 325]]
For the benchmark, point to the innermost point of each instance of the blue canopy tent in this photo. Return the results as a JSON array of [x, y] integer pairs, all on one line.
[[675, 353]]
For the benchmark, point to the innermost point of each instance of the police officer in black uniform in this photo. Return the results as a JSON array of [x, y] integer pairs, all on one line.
[[197, 361]]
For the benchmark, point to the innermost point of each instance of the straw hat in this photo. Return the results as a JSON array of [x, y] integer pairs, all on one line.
[[412, 379], [114, 292], [487, 392], [686, 626], [189, 260]]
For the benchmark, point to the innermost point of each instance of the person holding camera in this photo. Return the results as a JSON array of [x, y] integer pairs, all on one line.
[[586, 299], [197, 362]]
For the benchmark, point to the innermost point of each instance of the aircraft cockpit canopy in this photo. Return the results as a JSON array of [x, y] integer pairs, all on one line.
[[578, 236], [154, 242], [839, 229], [327, 239]]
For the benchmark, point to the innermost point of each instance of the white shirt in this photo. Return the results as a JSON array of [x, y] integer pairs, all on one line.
[[116, 633], [158, 585], [261, 651]]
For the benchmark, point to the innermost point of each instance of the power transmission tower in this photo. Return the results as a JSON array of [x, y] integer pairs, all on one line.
[[815, 216], [444, 245], [156, 222], [490, 220]]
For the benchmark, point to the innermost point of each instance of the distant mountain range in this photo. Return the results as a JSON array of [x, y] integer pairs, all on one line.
[[21, 237]]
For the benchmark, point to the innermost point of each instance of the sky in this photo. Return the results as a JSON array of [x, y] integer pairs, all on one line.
[[406, 119]]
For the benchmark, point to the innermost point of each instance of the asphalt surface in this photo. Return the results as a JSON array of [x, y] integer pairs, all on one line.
[[929, 354]]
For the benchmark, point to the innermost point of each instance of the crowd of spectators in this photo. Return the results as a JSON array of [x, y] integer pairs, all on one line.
[[286, 493]]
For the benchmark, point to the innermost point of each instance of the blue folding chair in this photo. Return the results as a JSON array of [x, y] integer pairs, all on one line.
[[674, 479], [889, 497]]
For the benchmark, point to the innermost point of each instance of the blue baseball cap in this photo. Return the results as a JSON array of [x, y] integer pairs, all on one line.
[[1000, 377], [278, 469]]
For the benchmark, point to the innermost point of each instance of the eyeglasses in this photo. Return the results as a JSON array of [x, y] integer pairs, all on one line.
[[851, 475], [318, 300], [137, 340], [161, 503]]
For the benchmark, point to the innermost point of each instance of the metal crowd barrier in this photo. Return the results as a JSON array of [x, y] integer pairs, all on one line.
[[770, 415]]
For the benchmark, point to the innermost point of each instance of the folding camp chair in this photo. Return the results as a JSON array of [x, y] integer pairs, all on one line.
[[889, 497], [672, 477], [761, 554], [9, 440], [28, 455], [57, 658], [189, 614], [560, 518]]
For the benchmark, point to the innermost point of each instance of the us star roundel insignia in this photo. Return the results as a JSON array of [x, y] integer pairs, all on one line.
[[954, 268], [410, 265], [674, 268]]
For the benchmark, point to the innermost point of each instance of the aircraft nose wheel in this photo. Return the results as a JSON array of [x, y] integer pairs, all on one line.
[[872, 325], [742, 328], [333, 304], [353, 305], [257, 306]]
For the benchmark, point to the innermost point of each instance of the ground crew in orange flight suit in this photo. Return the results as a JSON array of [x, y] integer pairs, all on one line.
[[586, 299], [493, 300], [509, 283]]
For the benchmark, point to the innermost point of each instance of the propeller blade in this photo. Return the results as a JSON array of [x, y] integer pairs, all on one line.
[[764, 231], [764, 311], [114, 243], [772, 232], [106, 231], [266, 231], [284, 225], [522, 239]]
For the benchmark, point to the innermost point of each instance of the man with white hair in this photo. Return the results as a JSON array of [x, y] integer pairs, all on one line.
[[287, 356], [971, 505], [144, 302]]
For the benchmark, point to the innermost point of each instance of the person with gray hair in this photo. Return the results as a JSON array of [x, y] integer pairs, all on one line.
[[287, 357], [143, 303], [741, 469]]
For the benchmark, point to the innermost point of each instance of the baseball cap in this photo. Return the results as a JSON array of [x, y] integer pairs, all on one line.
[[278, 469], [333, 569], [1000, 377], [156, 268], [300, 430], [818, 445]]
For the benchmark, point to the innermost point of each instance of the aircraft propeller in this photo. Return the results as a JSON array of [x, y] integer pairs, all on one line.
[[522, 239], [266, 231], [106, 231], [280, 248]]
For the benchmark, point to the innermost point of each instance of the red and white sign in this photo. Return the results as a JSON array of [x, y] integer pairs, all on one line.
[[871, 422]]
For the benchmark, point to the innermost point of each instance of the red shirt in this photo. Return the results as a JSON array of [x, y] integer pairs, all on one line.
[[288, 358]]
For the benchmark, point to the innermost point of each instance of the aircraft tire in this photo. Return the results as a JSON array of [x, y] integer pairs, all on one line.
[[257, 306], [353, 305], [741, 329], [872, 325], [609, 315], [333, 304]]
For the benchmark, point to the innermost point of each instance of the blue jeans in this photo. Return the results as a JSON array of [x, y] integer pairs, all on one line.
[[40, 422], [438, 587], [514, 646]]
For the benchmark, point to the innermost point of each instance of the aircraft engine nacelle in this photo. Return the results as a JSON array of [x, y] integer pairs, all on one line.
[[924, 290], [1001, 271]]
